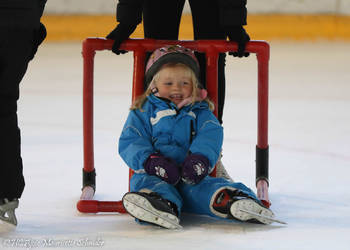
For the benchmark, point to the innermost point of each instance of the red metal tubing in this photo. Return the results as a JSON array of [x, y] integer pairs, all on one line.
[[261, 48], [88, 70], [212, 78], [263, 95], [94, 206], [211, 47], [138, 74]]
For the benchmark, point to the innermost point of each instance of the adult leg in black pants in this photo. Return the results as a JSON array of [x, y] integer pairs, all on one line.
[[15, 51], [19, 40], [206, 26], [162, 22]]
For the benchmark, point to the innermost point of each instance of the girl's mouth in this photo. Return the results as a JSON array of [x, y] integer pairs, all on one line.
[[176, 97]]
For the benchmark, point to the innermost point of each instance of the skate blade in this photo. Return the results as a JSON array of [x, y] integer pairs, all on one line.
[[256, 215], [10, 219], [248, 209], [7, 212], [140, 208]]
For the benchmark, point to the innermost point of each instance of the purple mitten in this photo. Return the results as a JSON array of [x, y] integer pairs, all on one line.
[[194, 168], [163, 167]]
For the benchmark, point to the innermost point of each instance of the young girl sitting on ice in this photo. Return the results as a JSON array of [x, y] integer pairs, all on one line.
[[172, 141]]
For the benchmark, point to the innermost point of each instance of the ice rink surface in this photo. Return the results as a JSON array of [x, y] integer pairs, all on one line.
[[309, 138]]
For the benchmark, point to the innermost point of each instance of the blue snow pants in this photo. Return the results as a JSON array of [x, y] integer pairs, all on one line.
[[196, 199]]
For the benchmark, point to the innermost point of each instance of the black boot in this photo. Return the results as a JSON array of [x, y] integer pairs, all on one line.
[[152, 208]]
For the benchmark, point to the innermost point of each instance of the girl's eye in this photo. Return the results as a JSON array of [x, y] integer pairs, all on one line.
[[185, 83], [168, 83]]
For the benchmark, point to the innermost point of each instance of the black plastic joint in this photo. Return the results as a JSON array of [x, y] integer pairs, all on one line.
[[262, 164], [89, 179]]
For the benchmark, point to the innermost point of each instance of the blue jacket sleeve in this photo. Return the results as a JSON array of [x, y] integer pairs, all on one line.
[[135, 142], [209, 137]]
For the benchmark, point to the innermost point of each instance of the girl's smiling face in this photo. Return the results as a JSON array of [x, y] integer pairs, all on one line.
[[174, 83]]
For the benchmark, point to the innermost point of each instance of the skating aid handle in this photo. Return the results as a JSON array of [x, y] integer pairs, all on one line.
[[211, 48]]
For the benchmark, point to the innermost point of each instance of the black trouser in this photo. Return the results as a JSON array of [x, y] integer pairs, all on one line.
[[161, 21], [16, 47]]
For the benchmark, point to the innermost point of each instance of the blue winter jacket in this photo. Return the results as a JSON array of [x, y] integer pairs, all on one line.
[[161, 127]]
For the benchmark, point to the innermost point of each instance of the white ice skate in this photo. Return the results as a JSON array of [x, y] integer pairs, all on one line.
[[249, 210], [7, 211], [151, 208], [231, 203]]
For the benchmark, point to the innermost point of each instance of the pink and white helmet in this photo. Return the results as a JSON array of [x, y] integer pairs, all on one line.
[[170, 54]]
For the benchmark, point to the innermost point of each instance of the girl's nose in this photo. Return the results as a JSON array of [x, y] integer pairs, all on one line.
[[177, 85]]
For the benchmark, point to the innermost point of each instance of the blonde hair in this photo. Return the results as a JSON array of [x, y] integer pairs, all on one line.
[[140, 101]]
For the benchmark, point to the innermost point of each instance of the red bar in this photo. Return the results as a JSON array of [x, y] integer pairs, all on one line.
[[263, 94], [212, 78], [88, 94], [94, 206]]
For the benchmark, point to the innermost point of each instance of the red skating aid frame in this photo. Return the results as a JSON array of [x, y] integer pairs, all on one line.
[[212, 48]]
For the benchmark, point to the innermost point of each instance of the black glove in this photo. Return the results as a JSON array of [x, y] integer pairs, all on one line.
[[39, 37], [119, 34], [239, 35]]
